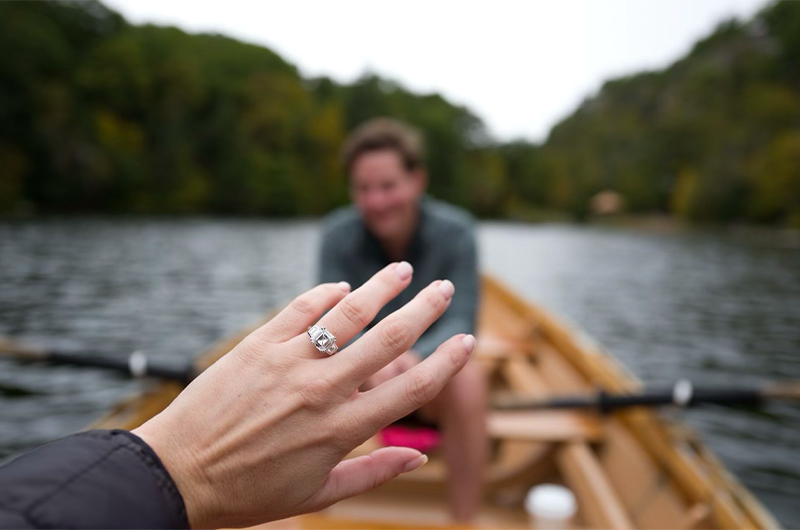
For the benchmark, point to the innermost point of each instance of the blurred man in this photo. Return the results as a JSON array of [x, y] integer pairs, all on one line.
[[392, 220]]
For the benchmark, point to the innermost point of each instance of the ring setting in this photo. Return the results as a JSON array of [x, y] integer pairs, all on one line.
[[322, 339]]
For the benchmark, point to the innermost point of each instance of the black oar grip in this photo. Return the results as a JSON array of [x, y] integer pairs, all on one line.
[[682, 394], [136, 365]]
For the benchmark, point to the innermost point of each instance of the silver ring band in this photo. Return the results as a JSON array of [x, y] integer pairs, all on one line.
[[322, 339]]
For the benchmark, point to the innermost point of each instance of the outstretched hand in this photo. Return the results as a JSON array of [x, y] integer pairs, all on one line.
[[261, 434]]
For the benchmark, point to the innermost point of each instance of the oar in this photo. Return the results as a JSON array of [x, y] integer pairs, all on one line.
[[682, 394], [135, 365], [11, 391]]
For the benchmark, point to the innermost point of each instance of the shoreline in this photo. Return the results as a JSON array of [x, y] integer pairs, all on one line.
[[652, 223]]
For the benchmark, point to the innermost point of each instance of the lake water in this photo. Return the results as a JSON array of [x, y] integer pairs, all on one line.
[[716, 307]]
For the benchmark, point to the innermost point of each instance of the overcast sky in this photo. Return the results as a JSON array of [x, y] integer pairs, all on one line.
[[521, 66]]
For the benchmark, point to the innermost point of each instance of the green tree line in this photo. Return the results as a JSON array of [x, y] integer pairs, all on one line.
[[713, 137], [100, 115]]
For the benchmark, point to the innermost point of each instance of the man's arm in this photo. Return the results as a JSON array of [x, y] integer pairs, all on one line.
[[461, 316]]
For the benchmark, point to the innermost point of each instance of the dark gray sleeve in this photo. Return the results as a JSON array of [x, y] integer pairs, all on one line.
[[332, 266], [95, 479], [460, 317], [12, 519], [331, 263]]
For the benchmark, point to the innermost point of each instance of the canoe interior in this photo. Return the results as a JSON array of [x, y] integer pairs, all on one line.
[[630, 469]]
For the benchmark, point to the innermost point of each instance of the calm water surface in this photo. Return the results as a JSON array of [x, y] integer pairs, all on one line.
[[714, 307]]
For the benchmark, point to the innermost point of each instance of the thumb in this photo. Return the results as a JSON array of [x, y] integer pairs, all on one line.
[[358, 475]]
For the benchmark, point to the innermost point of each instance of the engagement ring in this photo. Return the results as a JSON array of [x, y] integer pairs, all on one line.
[[322, 339]]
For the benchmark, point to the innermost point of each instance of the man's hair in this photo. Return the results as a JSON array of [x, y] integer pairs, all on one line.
[[380, 134]]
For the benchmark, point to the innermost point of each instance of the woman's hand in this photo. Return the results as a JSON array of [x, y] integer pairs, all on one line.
[[399, 366], [261, 434]]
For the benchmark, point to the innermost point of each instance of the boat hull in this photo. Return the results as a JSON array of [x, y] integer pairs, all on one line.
[[629, 469]]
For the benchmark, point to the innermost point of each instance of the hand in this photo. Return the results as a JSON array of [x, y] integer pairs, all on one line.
[[261, 434], [399, 366]]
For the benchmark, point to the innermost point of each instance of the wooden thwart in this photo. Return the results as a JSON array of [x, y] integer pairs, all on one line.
[[544, 426]]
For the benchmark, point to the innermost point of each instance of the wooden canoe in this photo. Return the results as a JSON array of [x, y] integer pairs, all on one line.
[[630, 469]]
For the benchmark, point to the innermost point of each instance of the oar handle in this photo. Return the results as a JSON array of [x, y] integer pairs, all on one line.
[[698, 396], [135, 365], [682, 394]]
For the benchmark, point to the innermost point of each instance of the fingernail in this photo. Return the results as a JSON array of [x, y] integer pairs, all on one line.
[[417, 463], [469, 343], [344, 286], [447, 288], [404, 270]]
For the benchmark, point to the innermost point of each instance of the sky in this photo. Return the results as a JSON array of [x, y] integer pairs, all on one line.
[[521, 66]]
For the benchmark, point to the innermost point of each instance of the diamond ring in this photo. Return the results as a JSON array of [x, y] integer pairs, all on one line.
[[322, 339]]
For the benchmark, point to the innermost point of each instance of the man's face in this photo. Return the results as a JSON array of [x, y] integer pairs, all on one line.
[[386, 194]]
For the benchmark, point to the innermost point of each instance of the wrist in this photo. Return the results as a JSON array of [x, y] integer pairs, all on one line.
[[187, 474]]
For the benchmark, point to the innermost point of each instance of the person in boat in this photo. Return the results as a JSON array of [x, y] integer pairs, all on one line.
[[391, 219], [261, 434]]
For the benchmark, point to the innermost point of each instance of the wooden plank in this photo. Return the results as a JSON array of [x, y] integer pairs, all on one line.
[[413, 508], [525, 379], [599, 504], [585, 357], [544, 426], [687, 470], [698, 517], [494, 347], [732, 505], [559, 372], [650, 430], [751, 506], [501, 318], [645, 488]]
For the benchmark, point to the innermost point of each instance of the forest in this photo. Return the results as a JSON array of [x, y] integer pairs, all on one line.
[[98, 115]]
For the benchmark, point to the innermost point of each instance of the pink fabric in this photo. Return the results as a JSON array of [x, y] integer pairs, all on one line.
[[423, 439]]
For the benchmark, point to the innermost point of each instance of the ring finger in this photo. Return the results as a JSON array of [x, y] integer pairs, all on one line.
[[360, 307], [393, 335]]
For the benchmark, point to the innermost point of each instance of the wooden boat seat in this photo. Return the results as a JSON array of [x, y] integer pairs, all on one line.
[[544, 426], [502, 348], [529, 441], [516, 462]]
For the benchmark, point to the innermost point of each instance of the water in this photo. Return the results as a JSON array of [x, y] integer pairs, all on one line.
[[721, 308]]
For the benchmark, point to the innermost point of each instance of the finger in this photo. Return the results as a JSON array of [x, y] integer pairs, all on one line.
[[358, 475], [304, 311], [406, 393], [410, 360], [359, 308], [394, 335]]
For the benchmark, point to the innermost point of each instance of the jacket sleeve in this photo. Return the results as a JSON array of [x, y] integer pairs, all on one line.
[[461, 316], [331, 264], [332, 267], [94, 479]]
